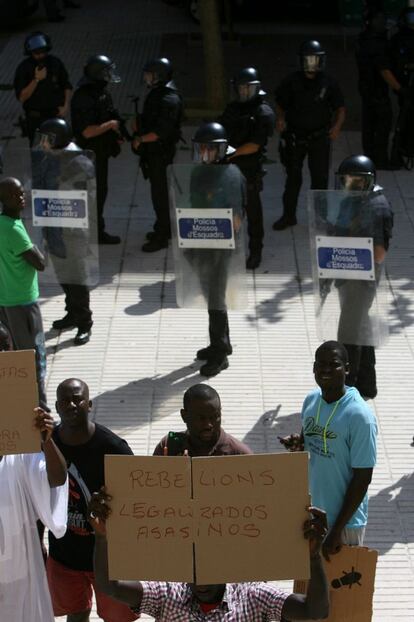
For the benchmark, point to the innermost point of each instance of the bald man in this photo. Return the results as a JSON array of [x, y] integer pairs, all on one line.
[[20, 262], [204, 435], [70, 564]]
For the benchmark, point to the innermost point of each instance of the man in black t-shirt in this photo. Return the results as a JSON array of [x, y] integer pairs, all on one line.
[[310, 112], [84, 445], [41, 83]]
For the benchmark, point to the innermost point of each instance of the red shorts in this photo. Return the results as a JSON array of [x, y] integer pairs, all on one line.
[[71, 592]]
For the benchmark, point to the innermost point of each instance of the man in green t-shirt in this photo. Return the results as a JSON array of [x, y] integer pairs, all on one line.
[[19, 262]]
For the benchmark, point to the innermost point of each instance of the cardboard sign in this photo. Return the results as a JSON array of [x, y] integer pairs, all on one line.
[[345, 258], [205, 228], [18, 397], [351, 578], [209, 520], [60, 208]]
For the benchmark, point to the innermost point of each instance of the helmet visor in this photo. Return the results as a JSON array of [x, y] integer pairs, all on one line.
[[37, 42], [359, 182], [44, 141], [246, 92], [207, 153], [312, 63], [110, 75]]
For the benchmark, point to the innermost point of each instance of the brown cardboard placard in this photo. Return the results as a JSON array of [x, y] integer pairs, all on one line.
[[19, 398], [250, 512], [173, 518], [351, 578], [150, 528]]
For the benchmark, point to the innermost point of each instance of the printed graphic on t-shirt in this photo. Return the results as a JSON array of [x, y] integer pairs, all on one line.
[[79, 496], [315, 438]]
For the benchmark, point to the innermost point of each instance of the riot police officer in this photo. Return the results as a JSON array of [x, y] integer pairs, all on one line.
[[310, 112], [249, 122], [375, 75], [402, 60], [96, 126], [156, 134], [41, 83], [368, 214], [210, 147], [68, 252]]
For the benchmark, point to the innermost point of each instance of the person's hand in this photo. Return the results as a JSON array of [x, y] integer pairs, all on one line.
[[332, 544], [62, 111], [136, 141], [44, 423], [280, 125], [292, 442], [99, 510], [315, 530], [237, 223], [40, 73], [334, 132], [114, 125]]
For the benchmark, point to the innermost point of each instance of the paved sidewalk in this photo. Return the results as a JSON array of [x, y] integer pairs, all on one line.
[[140, 358]]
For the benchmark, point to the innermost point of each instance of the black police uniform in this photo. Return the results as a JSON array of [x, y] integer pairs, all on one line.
[[92, 105], [402, 54], [309, 104], [250, 122], [162, 114], [374, 218], [69, 169], [372, 57], [48, 95]]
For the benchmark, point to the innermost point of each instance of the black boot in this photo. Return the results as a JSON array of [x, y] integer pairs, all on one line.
[[284, 222], [214, 367]]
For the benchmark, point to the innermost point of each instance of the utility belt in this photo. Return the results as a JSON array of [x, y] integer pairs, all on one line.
[[304, 138], [41, 114]]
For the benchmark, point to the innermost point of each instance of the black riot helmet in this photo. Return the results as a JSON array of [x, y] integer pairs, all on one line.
[[247, 83], [209, 143], [161, 71], [357, 172], [37, 42], [53, 134], [312, 57], [100, 68]]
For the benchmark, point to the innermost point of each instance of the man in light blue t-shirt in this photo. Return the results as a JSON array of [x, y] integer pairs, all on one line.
[[339, 432]]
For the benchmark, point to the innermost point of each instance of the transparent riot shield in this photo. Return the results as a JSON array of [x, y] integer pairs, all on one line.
[[348, 234], [60, 213], [207, 209]]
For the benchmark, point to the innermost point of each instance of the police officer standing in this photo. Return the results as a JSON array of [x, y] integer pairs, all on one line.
[[68, 248], [41, 83], [375, 75], [156, 133], [249, 121], [366, 213], [96, 126], [402, 61], [310, 113]]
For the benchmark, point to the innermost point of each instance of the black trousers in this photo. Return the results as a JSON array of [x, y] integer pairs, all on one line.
[[362, 373], [376, 128], [101, 164], [318, 151], [356, 298], [254, 212], [212, 267], [77, 303], [156, 168]]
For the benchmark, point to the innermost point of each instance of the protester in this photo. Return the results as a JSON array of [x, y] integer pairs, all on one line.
[[20, 261], [84, 444], [32, 487], [204, 435], [231, 602], [339, 431]]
